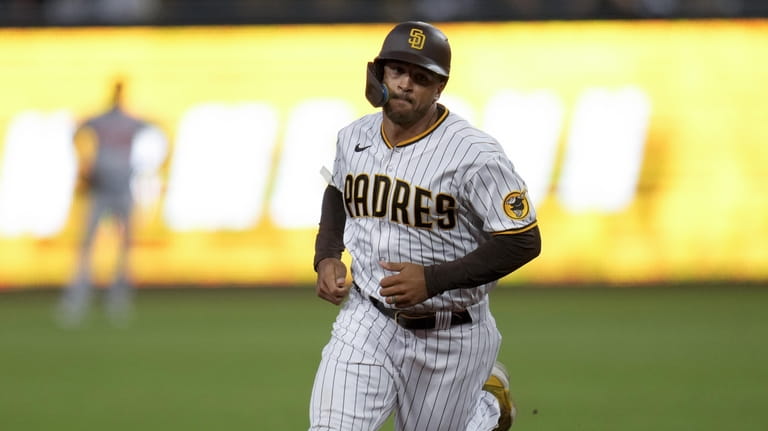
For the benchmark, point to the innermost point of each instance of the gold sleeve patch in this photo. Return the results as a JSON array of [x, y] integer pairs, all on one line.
[[516, 205]]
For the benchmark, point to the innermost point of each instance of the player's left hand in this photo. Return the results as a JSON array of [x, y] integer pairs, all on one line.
[[405, 288]]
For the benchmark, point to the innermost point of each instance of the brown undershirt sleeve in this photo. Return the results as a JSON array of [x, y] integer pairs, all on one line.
[[329, 241], [492, 260]]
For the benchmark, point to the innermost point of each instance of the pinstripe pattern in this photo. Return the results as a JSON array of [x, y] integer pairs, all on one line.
[[454, 159], [432, 199], [435, 376]]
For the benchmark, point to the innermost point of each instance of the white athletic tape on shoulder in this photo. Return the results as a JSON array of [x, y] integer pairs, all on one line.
[[326, 174]]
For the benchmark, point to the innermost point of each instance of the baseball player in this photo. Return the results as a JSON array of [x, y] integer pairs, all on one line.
[[432, 213], [105, 168]]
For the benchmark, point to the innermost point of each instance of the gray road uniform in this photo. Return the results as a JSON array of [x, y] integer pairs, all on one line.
[[109, 183]]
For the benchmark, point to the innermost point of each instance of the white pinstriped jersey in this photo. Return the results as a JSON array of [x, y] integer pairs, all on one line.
[[431, 199]]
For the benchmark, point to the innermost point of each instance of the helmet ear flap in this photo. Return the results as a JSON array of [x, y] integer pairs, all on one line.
[[375, 91]]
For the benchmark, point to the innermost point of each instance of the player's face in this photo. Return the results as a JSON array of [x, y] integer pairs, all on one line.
[[412, 89]]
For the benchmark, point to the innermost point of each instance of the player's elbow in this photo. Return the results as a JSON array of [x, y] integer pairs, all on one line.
[[530, 246], [535, 247]]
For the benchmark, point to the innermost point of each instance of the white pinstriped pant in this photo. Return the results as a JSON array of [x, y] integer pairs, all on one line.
[[431, 379]]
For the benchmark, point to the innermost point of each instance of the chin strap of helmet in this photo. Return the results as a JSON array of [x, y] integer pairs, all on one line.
[[375, 91]]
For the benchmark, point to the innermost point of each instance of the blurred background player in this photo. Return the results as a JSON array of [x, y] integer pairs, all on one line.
[[104, 146]]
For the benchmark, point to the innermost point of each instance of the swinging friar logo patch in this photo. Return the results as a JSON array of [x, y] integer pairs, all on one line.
[[516, 205]]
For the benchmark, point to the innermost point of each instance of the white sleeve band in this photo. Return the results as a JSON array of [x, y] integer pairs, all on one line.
[[326, 175]]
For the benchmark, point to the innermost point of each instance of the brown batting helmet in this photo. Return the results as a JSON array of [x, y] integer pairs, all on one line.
[[412, 42]]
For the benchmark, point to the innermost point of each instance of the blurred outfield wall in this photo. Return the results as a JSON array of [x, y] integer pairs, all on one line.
[[644, 143]]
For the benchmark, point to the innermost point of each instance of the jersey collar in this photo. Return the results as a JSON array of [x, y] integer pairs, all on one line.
[[443, 114]]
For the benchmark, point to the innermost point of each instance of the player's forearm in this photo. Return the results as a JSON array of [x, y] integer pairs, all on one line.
[[491, 261], [329, 241]]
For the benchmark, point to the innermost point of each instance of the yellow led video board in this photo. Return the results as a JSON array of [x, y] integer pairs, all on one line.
[[643, 144]]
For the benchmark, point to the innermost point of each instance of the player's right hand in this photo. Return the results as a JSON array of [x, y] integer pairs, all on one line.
[[331, 279]]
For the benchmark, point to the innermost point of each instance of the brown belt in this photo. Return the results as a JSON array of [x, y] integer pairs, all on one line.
[[423, 320]]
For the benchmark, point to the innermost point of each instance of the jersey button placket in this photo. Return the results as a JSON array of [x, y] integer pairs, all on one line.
[[390, 161]]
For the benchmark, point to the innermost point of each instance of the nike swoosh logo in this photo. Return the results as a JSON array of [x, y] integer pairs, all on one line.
[[358, 148]]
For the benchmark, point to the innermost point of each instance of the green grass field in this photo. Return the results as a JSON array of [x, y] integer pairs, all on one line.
[[624, 359]]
